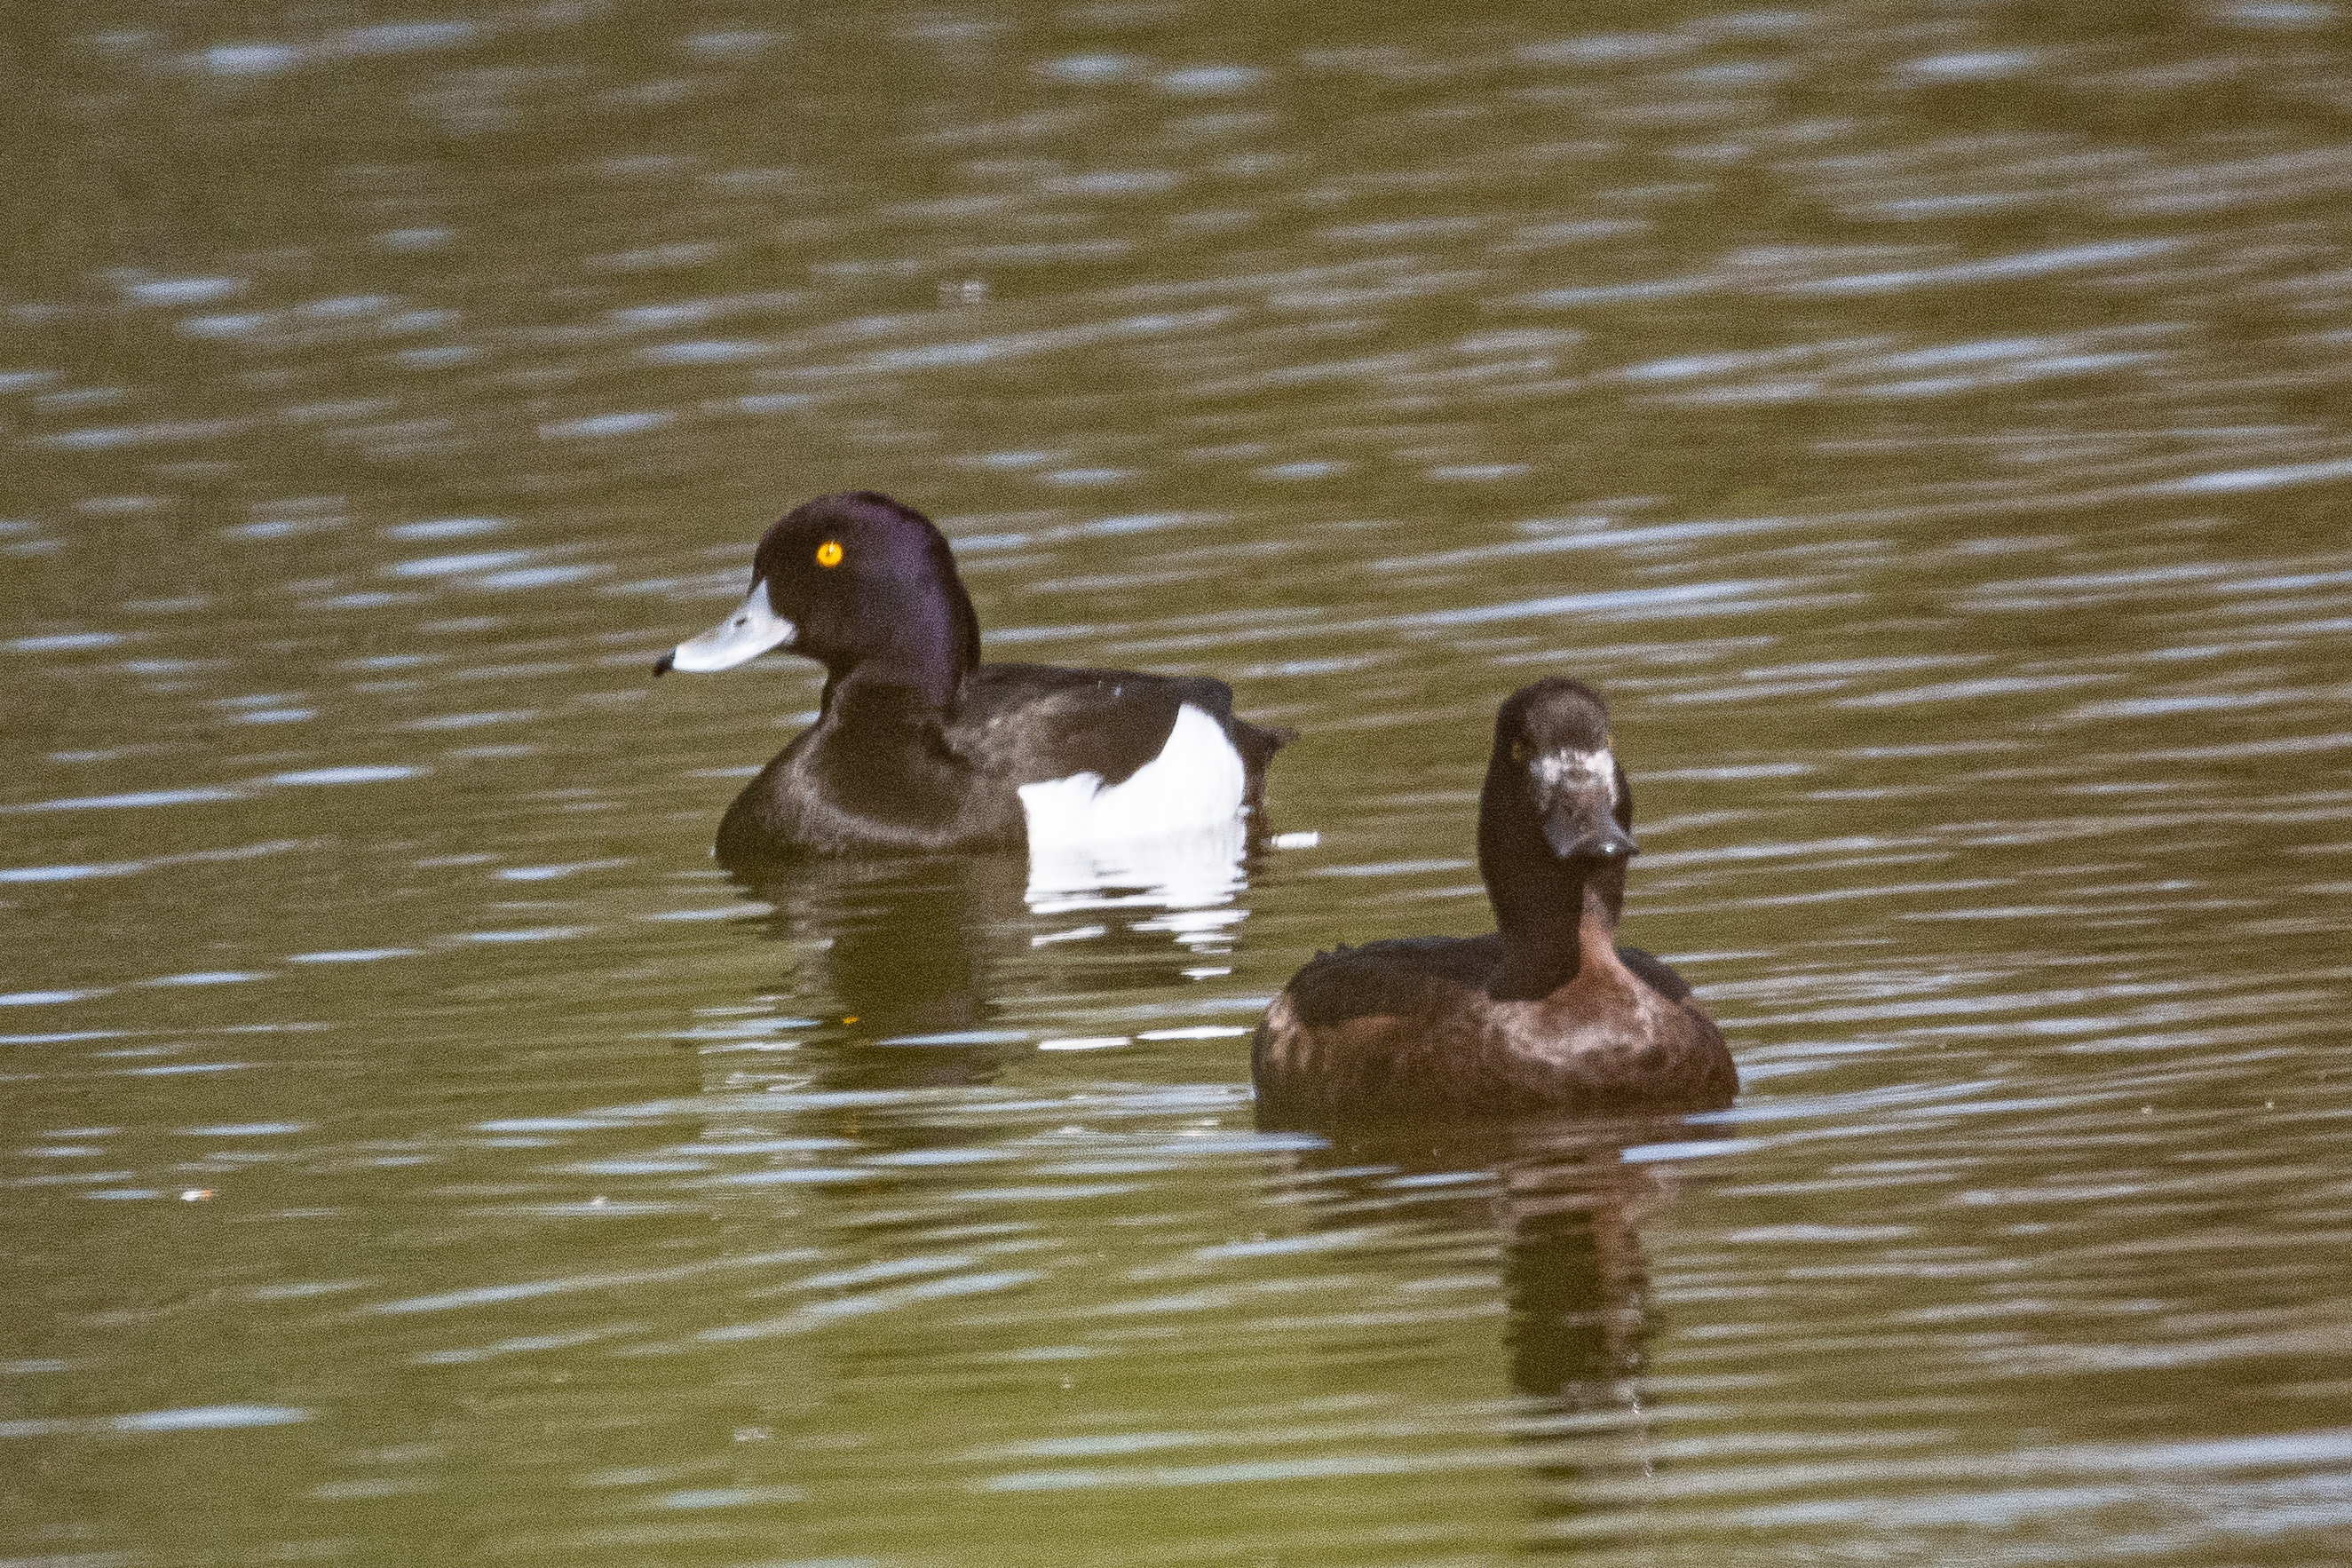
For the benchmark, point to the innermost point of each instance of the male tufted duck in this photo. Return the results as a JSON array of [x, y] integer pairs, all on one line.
[[919, 746], [1546, 1013]]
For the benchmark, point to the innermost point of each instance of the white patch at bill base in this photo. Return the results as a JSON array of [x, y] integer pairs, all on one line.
[[1555, 768]]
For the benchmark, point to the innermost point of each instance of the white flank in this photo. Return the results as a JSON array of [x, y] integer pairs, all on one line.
[[1171, 837], [1195, 782]]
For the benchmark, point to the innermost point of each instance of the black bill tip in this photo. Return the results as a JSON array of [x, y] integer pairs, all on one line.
[[1581, 836]]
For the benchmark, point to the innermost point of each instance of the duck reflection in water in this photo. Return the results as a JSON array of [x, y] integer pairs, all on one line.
[[1566, 1207], [911, 956]]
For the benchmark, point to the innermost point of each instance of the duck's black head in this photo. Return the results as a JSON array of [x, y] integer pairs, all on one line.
[[860, 583], [1557, 814]]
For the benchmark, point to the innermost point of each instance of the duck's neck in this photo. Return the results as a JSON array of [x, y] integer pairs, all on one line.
[[1556, 923], [924, 654]]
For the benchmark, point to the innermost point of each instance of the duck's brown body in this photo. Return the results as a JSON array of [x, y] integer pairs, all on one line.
[[1415, 1027]]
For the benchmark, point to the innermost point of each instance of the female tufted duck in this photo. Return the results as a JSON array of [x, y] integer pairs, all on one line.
[[1547, 1012], [919, 746]]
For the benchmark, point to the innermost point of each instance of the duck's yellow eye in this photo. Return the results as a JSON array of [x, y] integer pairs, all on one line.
[[829, 553], [1519, 753]]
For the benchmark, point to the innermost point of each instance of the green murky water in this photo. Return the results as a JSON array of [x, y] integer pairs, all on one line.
[[1928, 424]]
